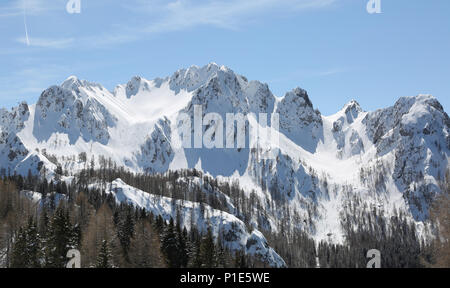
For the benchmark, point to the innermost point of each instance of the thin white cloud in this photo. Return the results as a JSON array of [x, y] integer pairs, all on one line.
[[34, 7], [46, 42], [163, 16], [180, 15]]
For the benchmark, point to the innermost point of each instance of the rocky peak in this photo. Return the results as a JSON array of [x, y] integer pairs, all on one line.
[[135, 85], [353, 105], [352, 110], [73, 83], [194, 77], [299, 96], [298, 118], [72, 109]]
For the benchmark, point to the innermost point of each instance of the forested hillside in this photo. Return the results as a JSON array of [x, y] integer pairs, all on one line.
[[38, 228]]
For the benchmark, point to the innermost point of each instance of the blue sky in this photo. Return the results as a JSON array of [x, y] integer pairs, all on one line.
[[332, 48]]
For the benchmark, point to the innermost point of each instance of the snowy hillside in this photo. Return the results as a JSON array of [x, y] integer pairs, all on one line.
[[392, 158], [229, 226]]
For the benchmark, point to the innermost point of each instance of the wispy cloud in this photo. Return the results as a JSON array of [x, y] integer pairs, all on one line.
[[180, 15], [46, 42], [162, 16], [24, 8], [33, 7]]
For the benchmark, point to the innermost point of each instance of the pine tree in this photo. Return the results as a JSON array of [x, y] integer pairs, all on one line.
[[169, 246], [33, 245], [208, 251], [159, 225], [195, 257], [19, 253], [182, 243], [104, 256], [221, 261], [26, 250], [61, 239], [125, 231]]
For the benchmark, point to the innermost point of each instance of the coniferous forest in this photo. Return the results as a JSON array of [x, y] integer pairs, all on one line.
[[118, 235]]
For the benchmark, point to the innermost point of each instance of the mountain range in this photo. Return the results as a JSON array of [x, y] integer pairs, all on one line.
[[392, 159]]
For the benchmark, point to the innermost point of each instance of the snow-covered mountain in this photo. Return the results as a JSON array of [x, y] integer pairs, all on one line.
[[392, 158]]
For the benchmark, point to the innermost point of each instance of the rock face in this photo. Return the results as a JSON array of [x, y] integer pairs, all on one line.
[[342, 128], [299, 121], [394, 157], [12, 149], [416, 131], [68, 109], [156, 153]]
